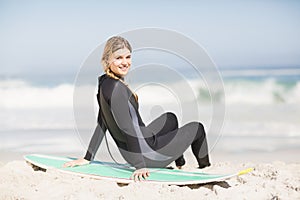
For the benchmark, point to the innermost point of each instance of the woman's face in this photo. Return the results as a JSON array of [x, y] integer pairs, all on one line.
[[120, 62]]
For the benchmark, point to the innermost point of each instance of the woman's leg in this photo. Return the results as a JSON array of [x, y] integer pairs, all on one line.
[[164, 124], [199, 147], [174, 143]]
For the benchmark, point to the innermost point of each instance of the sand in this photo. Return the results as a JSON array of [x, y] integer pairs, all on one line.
[[275, 180]]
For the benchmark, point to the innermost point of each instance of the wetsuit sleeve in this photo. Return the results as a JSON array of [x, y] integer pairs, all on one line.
[[99, 131], [95, 141], [123, 118]]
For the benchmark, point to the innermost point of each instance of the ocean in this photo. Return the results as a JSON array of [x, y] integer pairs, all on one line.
[[261, 112]]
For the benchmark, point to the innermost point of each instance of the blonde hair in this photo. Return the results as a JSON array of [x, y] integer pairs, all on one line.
[[112, 45]]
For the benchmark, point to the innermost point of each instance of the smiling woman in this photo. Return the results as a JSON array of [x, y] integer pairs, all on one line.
[[155, 145], [116, 58], [121, 62]]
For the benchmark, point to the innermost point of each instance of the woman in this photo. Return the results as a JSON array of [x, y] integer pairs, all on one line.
[[155, 145]]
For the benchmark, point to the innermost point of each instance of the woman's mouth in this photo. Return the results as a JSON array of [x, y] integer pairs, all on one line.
[[123, 68]]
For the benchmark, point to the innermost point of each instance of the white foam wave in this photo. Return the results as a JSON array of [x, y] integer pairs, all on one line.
[[24, 106], [266, 92], [19, 94], [16, 94]]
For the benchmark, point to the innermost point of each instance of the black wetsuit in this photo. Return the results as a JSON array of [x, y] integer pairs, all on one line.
[[155, 145]]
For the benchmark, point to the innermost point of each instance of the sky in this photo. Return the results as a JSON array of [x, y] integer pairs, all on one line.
[[53, 38]]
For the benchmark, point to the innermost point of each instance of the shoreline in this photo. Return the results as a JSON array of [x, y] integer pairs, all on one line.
[[216, 155]]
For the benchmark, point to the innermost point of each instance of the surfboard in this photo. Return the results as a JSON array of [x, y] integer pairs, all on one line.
[[121, 173]]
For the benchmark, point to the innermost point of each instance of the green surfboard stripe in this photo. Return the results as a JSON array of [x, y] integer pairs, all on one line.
[[106, 169]]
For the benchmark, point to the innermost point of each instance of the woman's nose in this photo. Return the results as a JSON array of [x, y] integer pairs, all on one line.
[[124, 61]]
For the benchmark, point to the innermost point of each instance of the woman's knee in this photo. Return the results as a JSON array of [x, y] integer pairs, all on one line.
[[196, 124], [200, 126], [172, 118], [197, 127], [169, 121]]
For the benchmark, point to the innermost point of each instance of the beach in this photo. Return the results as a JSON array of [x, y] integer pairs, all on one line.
[[276, 175], [272, 180], [260, 130], [232, 66]]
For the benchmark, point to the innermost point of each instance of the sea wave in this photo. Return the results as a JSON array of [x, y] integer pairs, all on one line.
[[20, 94], [268, 91], [252, 107]]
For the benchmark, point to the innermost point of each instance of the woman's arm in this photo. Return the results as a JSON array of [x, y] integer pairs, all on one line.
[[96, 138], [95, 142], [123, 116], [92, 149]]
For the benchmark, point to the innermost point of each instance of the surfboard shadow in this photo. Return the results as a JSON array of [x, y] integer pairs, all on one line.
[[36, 168], [210, 186]]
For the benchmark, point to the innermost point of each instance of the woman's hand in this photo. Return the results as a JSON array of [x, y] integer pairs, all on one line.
[[140, 174], [78, 162]]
